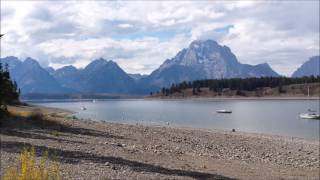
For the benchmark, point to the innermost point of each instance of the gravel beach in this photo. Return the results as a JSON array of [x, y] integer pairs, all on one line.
[[101, 150]]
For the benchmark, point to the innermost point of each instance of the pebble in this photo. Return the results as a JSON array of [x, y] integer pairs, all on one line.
[[118, 144]]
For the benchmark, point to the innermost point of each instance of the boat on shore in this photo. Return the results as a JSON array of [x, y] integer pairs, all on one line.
[[224, 111]]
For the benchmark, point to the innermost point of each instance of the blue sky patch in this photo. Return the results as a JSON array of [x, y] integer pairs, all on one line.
[[224, 29]]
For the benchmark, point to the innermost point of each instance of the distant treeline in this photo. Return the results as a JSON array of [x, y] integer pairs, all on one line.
[[9, 92], [38, 96], [239, 84]]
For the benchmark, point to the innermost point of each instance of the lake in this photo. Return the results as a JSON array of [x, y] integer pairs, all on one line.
[[280, 117]]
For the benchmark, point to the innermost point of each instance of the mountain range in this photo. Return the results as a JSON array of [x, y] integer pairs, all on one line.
[[204, 60], [201, 60], [31, 77], [100, 76], [311, 67]]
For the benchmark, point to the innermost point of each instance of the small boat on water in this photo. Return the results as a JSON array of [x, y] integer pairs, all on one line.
[[310, 115], [224, 111], [83, 108]]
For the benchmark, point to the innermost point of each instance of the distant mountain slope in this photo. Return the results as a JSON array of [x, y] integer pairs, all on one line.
[[31, 77], [204, 60], [100, 76], [311, 67], [50, 70], [68, 76], [106, 76], [137, 76]]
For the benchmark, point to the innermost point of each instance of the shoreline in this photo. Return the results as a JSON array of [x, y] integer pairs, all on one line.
[[175, 99], [68, 113], [90, 148], [208, 130], [71, 113], [233, 98]]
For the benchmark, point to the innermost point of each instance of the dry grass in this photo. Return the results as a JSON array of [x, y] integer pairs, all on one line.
[[22, 113], [34, 118], [29, 169]]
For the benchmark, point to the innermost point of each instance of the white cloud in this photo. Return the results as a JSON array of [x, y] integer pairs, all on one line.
[[140, 35], [125, 25]]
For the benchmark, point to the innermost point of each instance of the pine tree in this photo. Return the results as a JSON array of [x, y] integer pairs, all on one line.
[[9, 92]]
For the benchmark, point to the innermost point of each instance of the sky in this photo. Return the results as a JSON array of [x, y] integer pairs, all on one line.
[[141, 35]]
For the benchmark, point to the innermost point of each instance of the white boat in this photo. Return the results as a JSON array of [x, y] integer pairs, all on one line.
[[84, 108], [310, 116], [224, 111]]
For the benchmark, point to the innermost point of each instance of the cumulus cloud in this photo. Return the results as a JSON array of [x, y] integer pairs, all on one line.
[[140, 35]]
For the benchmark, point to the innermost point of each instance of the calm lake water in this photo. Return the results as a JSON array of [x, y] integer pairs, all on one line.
[[279, 117]]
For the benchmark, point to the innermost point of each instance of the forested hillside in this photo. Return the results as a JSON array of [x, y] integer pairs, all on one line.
[[241, 87]]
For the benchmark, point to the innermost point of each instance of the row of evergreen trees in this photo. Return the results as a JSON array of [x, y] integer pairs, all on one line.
[[240, 84], [9, 92]]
